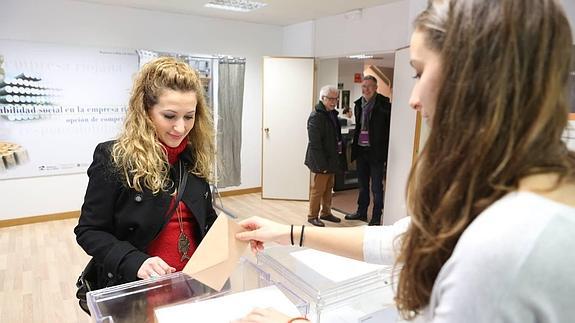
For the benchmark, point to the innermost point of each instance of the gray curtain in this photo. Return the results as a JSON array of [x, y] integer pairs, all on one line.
[[203, 65], [230, 105]]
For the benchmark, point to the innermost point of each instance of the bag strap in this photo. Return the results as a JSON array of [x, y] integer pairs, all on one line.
[[181, 188]]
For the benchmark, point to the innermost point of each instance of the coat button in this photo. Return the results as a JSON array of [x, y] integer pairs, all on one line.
[[131, 228], [138, 198], [110, 275]]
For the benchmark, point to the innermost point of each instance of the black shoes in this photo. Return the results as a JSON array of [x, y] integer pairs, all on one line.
[[356, 216], [375, 220], [315, 221], [330, 218], [318, 223]]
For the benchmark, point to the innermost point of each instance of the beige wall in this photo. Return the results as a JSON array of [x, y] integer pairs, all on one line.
[[382, 85]]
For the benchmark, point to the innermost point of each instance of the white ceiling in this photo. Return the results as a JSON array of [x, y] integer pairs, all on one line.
[[277, 12]]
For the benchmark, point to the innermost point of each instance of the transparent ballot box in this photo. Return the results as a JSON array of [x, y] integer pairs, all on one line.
[[140, 301], [337, 289]]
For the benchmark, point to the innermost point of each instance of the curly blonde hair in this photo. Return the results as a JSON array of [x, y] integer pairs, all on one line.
[[138, 153]]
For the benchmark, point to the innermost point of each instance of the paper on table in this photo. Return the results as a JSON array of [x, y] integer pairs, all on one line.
[[217, 255], [348, 313], [332, 267], [228, 308], [343, 314]]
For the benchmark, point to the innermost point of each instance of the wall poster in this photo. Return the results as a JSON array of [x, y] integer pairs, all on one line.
[[58, 102]]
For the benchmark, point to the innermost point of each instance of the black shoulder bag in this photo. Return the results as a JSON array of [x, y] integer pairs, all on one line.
[[88, 280]]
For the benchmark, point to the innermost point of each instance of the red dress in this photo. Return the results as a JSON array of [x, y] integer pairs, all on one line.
[[165, 245]]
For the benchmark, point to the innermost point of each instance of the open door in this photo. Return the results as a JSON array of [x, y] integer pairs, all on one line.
[[287, 102]]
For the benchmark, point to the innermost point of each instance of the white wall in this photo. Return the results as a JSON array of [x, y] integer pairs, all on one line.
[[326, 74], [298, 40], [379, 29], [401, 139], [415, 7], [86, 24], [569, 6], [346, 76]]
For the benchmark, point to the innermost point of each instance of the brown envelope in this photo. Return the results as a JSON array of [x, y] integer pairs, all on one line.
[[217, 256]]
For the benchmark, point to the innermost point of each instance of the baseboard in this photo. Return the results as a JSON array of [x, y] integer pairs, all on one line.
[[39, 218], [241, 192], [76, 214]]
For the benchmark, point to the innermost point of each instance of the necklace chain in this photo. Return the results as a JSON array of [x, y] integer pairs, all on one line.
[[183, 240]]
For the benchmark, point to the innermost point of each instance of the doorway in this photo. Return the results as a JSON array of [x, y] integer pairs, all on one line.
[[350, 72]]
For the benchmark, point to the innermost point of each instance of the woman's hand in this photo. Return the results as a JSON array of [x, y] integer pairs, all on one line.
[[154, 267], [263, 230], [264, 315]]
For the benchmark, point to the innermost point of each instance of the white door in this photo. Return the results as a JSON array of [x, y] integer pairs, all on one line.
[[287, 103]]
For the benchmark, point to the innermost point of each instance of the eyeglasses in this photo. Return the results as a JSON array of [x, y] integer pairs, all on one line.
[[331, 99]]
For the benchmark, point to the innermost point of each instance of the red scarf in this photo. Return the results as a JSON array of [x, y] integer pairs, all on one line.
[[174, 153]]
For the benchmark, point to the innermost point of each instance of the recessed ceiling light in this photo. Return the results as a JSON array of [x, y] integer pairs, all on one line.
[[361, 56], [235, 5]]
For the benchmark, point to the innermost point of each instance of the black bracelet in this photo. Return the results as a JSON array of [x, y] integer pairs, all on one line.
[[301, 236], [291, 234]]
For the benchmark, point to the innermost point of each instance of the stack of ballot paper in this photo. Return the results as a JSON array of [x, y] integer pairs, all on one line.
[[333, 267], [228, 308]]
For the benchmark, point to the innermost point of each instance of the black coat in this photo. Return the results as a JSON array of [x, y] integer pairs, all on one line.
[[118, 223], [379, 124], [322, 154]]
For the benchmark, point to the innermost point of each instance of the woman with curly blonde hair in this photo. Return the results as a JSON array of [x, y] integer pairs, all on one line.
[[148, 201]]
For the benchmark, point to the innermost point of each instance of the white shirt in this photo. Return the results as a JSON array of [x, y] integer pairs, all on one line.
[[514, 263]]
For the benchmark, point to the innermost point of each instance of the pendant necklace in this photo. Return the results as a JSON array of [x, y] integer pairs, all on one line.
[[183, 240]]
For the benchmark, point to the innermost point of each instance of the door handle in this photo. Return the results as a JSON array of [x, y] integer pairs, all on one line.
[[267, 130]]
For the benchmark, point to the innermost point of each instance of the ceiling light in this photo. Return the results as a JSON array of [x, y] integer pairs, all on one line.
[[361, 56], [235, 5]]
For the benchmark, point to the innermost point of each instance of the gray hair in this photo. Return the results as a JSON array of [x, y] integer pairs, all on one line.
[[370, 78], [326, 90]]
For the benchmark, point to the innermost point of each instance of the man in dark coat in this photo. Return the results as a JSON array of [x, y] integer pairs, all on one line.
[[369, 148], [323, 153]]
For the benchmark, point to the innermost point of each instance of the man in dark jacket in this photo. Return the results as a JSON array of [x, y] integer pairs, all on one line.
[[369, 148], [323, 154]]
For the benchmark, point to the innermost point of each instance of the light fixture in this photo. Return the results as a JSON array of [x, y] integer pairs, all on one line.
[[360, 56], [235, 5]]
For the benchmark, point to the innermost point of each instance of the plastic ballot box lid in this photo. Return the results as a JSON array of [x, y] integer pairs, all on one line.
[[138, 301], [337, 288]]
